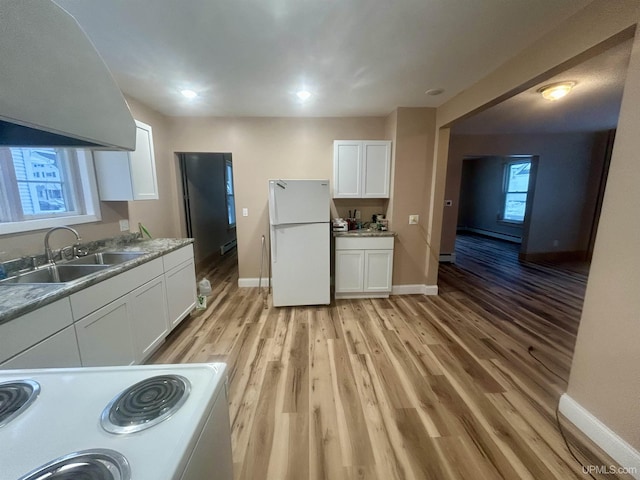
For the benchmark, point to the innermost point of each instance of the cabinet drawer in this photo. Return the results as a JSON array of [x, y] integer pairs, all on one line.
[[90, 299], [57, 351], [23, 332], [175, 258], [364, 243]]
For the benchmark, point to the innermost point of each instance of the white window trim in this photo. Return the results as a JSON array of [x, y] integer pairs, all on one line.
[[505, 189], [91, 200]]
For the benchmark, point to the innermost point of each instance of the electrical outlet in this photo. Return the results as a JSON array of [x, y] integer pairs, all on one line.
[[124, 225], [245, 212], [556, 243], [413, 219]]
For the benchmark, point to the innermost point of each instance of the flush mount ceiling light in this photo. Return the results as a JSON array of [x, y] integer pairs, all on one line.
[[434, 91], [556, 91], [303, 95], [189, 93]]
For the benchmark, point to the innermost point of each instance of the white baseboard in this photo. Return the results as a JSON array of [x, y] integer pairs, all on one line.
[[601, 435], [447, 258], [414, 290], [252, 282], [489, 233]]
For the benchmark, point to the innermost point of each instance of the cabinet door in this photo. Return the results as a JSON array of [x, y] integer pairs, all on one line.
[[147, 307], [349, 271], [181, 291], [57, 351], [143, 165], [347, 169], [376, 169], [378, 265], [105, 337]]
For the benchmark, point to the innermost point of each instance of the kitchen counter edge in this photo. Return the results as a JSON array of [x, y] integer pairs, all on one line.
[[19, 299], [365, 233]]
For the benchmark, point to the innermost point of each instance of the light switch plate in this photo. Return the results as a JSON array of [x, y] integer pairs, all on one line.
[[413, 219], [124, 225], [245, 212]]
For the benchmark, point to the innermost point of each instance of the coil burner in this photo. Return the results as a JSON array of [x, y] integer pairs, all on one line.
[[145, 404], [15, 398]]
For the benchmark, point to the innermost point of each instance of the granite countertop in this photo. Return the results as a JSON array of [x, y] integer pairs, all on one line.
[[365, 233], [19, 298]]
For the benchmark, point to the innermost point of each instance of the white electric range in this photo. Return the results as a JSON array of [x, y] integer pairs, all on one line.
[[154, 422]]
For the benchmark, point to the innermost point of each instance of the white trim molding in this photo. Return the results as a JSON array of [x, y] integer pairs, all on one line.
[[414, 290], [601, 435], [252, 282]]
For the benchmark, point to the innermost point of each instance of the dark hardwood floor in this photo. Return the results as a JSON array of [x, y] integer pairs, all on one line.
[[410, 387]]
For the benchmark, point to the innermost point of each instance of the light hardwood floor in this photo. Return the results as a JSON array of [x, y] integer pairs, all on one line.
[[413, 387]]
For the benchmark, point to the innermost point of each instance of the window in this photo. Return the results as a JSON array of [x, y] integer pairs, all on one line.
[[516, 184], [46, 187], [231, 205]]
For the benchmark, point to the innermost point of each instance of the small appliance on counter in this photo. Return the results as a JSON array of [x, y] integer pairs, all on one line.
[[109, 423], [340, 225]]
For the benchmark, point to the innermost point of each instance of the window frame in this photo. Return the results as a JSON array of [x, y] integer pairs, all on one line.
[[230, 198], [505, 189], [85, 198]]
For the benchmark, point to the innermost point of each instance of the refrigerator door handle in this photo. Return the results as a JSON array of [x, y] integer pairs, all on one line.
[[272, 204], [274, 241]]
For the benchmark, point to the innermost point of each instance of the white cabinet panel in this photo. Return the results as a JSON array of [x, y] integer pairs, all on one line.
[[364, 266], [105, 337], [376, 168], [58, 351], [128, 175], [347, 169], [349, 271], [378, 265], [24, 332], [147, 307], [180, 283], [361, 168]]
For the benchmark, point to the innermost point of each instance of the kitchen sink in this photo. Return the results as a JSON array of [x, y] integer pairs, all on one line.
[[105, 258], [55, 274]]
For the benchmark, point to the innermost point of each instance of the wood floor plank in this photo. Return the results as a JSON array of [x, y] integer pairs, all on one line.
[[410, 387]]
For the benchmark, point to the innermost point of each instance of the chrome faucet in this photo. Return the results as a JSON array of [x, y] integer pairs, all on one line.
[[47, 249]]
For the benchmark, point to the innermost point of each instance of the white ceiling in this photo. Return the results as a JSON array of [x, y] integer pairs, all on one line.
[[592, 105], [357, 57]]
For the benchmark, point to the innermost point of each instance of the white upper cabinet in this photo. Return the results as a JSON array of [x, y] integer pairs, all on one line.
[[361, 168], [128, 175]]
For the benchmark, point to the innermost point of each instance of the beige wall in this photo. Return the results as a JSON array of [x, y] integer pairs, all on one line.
[[413, 146], [160, 217], [265, 148], [605, 373]]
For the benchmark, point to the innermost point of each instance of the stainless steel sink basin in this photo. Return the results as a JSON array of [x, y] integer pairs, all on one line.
[[105, 258], [55, 274]]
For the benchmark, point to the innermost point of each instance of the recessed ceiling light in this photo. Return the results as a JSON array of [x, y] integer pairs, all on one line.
[[435, 91], [555, 91], [303, 95], [189, 93]]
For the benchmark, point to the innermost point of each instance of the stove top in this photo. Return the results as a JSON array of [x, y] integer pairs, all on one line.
[[145, 404], [66, 419], [15, 398]]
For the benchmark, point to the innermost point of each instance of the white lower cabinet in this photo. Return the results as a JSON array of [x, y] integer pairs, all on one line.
[[119, 321], [364, 266], [180, 283], [105, 337], [58, 351], [146, 306]]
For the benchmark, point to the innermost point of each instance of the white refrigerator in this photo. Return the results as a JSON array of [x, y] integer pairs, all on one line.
[[299, 229]]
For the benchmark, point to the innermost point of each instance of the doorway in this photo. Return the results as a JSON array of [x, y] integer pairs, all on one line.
[[209, 204]]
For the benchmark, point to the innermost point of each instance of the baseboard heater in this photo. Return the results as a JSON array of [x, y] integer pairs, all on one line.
[[228, 246]]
